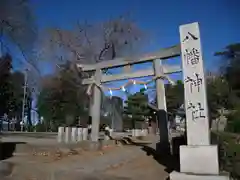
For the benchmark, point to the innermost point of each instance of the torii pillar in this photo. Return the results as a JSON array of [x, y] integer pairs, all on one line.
[[161, 105], [95, 108]]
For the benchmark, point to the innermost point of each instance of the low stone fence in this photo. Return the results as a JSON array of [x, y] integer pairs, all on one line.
[[68, 135], [72, 134], [75, 135]]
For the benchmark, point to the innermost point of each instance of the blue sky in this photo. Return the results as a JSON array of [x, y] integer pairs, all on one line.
[[219, 23], [219, 20]]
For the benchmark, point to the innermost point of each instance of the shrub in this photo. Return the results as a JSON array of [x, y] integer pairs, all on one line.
[[40, 127], [229, 153], [233, 124]]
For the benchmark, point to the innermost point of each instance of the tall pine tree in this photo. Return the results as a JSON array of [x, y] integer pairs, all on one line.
[[136, 108]]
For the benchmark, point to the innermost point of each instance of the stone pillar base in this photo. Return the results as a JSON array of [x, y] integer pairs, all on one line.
[[199, 159], [183, 176]]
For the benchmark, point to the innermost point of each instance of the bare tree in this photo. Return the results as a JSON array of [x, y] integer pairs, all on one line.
[[17, 26], [87, 43]]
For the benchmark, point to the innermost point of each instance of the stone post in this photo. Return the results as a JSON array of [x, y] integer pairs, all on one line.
[[137, 132], [106, 138], [79, 134], [67, 135], [74, 134], [199, 159], [144, 132], [133, 132], [111, 132], [60, 134], [85, 134]]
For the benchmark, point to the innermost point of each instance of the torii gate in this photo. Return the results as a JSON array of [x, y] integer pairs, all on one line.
[[158, 70]]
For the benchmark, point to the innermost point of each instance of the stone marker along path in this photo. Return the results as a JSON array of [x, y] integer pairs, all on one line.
[[127, 162]]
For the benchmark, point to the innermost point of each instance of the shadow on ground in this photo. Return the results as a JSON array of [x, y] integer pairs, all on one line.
[[7, 149], [163, 154]]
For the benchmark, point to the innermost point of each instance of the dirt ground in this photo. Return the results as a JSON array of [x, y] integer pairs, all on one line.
[[113, 162], [140, 168]]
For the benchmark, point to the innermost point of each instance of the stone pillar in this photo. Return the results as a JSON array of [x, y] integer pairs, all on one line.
[[106, 137], [111, 132], [60, 134], [96, 107], [144, 132], [150, 130], [199, 159], [67, 135], [162, 123], [137, 132], [133, 132], [74, 134], [79, 134], [85, 134]]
